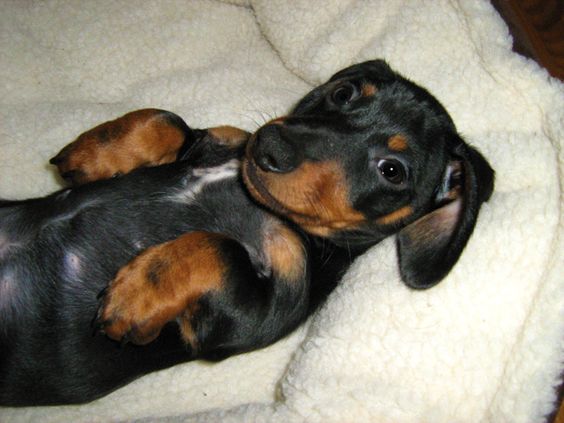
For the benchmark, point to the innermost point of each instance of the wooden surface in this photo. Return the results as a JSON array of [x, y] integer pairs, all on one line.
[[537, 27], [560, 416]]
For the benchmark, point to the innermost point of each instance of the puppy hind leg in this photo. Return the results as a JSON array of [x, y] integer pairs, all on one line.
[[146, 137]]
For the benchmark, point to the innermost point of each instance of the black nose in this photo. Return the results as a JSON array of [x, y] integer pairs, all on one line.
[[272, 153]]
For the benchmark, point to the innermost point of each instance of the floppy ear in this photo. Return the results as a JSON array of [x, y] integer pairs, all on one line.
[[429, 247]]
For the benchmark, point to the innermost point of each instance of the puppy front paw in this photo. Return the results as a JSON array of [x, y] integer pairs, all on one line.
[[132, 308]]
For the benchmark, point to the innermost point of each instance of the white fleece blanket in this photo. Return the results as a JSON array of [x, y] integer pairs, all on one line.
[[485, 345]]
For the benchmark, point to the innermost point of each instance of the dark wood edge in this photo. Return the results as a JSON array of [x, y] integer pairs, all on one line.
[[537, 27]]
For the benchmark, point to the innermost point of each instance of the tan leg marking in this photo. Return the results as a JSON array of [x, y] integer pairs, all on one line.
[[285, 251], [160, 285], [229, 135], [140, 138]]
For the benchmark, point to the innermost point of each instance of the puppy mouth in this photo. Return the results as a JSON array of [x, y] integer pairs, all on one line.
[[312, 195], [258, 190], [312, 223]]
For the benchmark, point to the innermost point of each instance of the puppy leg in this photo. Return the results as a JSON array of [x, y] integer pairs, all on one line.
[[147, 137], [160, 284], [207, 284]]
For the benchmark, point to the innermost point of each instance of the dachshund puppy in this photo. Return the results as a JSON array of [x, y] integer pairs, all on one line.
[[210, 243]]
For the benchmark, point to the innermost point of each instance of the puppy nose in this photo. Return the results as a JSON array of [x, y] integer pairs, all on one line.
[[272, 153]]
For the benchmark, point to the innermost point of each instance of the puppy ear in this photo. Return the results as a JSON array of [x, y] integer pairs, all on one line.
[[429, 247]]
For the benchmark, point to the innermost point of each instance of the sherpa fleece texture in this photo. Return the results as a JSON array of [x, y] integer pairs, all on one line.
[[485, 345]]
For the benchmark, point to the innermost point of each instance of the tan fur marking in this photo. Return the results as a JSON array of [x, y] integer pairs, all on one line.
[[315, 196], [140, 308], [397, 143], [229, 135], [395, 216], [140, 138], [285, 251], [278, 121], [368, 90], [186, 328]]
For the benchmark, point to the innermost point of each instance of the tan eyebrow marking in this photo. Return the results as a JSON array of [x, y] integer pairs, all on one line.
[[397, 143], [368, 90]]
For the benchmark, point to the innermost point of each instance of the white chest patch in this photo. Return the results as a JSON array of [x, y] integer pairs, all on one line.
[[71, 265], [199, 178], [9, 298], [6, 245]]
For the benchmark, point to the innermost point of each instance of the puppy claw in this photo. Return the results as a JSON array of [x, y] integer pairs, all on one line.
[[102, 293], [125, 340], [98, 328], [57, 159]]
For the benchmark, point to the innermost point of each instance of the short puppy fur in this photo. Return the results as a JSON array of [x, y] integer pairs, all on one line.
[[209, 243]]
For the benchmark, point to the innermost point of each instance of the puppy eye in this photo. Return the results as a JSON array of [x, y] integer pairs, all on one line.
[[344, 94], [392, 170]]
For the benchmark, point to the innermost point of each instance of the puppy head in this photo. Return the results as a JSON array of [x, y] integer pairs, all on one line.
[[369, 154]]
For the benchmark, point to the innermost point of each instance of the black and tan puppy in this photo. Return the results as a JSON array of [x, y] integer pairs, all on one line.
[[230, 242]]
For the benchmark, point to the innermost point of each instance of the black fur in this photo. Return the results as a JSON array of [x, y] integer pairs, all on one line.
[[58, 253]]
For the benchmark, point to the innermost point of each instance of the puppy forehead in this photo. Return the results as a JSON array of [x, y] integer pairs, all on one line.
[[374, 68], [369, 74], [394, 114]]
